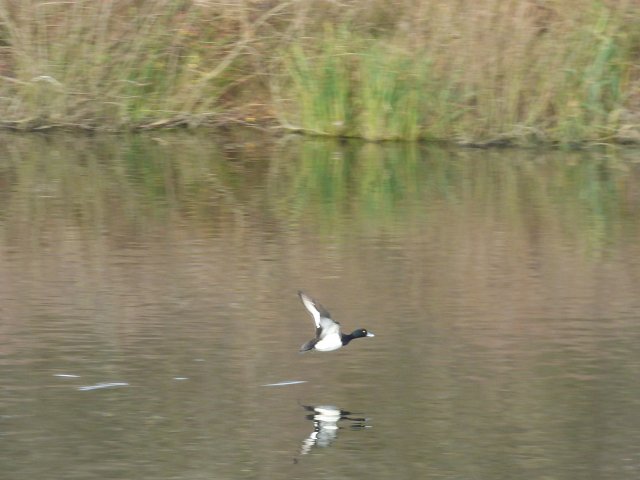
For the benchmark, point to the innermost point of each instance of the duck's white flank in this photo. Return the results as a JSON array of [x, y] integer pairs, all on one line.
[[329, 341]]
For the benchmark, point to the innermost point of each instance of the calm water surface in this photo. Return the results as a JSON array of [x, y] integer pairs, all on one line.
[[148, 306]]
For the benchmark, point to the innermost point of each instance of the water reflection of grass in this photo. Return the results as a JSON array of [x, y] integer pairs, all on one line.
[[330, 187], [115, 183], [381, 186]]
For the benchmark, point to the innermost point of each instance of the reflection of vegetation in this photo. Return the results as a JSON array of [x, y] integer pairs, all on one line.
[[330, 187], [98, 183], [384, 186]]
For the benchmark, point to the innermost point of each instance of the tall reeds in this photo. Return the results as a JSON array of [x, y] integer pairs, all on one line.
[[322, 83], [473, 71], [489, 72], [390, 94], [107, 63]]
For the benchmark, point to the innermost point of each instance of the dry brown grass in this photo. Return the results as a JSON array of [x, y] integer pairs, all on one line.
[[486, 70]]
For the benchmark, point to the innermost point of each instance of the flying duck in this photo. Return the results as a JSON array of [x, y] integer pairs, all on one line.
[[328, 335]]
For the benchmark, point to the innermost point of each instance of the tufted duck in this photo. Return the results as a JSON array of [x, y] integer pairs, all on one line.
[[328, 335]]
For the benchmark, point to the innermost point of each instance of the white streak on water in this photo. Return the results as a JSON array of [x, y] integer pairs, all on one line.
[[66, 375], [102, 385], [282, 384]]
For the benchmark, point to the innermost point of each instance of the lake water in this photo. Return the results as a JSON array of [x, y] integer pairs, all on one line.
[[150, 324]]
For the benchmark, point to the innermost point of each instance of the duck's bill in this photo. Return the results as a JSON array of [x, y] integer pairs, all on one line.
[[369, 334]]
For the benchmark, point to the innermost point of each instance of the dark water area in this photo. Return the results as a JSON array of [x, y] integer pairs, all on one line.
[[150, 326]]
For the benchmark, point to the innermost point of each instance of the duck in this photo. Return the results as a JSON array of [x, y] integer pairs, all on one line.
[[328, 334]]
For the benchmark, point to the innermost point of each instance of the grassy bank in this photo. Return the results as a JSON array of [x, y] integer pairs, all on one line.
[[477, 72]]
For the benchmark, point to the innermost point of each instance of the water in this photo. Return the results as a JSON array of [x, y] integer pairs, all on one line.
[[149, 322]]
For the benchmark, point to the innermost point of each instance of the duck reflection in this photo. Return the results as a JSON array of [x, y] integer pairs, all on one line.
[[325, 420]]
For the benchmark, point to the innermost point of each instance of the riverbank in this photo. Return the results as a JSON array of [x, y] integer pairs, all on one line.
[[479, 73]]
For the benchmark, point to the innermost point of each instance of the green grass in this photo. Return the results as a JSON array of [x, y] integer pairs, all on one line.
[[480, 72], [390, 93], [567, 87], [322, 85]]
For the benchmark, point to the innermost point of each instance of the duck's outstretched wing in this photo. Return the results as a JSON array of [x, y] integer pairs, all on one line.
[[317, 311]]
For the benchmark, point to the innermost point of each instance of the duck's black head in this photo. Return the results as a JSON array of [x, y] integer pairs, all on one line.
[[359, 333]]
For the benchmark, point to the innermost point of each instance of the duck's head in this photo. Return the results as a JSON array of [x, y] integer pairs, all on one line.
[[361, 332]]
